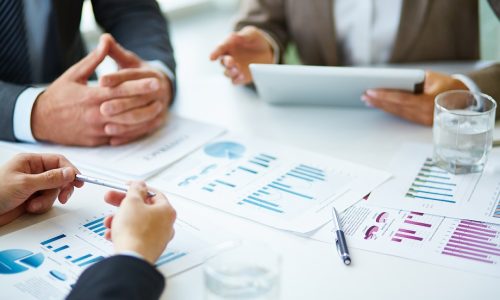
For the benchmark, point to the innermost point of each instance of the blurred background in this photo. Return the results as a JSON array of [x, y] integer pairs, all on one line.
[[197, 26]]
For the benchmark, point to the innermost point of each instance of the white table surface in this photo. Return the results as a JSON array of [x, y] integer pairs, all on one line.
[[311, 270]]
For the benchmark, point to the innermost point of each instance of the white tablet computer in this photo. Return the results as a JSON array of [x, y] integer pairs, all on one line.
[[336, 86]]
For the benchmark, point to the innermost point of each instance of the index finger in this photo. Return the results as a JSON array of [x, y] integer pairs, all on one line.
[[219, 51], [45, 162]]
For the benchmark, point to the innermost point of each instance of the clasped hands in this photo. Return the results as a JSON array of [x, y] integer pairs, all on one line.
[[125, 106]]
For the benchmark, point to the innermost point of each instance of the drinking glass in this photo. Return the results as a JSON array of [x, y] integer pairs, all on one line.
[[463, 131], [247, 271]]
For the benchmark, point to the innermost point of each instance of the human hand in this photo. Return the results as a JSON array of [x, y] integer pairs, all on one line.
[[241, 49], [133, 116], [68, 112], [31, 183], [143, 225], [418, 108]]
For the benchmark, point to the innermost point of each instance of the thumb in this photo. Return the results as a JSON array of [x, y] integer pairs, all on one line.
[[52, 179], [83, 69], [137, 193], [123, 57]]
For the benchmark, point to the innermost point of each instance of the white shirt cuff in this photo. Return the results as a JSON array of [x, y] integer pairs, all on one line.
[[469, 83], [274, 45], [131, 253], [160, 66], [22, 114]]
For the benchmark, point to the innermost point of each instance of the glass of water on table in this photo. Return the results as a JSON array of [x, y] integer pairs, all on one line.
[[463, 131], [247, 271]]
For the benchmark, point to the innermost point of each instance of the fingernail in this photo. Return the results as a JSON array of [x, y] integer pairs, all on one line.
[[233, 71], [68, 174], [154, 85], [36, 206], [371, 93]]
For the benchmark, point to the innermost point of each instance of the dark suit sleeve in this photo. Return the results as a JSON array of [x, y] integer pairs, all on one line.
[[139, 26], [8, 97], [119, 277]]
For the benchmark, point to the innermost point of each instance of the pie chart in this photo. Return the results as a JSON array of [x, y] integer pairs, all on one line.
[[14, 261], [225, 149]]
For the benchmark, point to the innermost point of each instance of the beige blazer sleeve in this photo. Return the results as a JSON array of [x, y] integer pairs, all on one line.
[[488, 80], [267, 15]]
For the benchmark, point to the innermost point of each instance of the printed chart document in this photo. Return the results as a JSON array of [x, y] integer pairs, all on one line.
[[460, 244], [43, 261], [140, 159], [268, 183], [418, 185]]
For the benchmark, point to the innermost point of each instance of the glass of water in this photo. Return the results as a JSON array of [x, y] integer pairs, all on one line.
[[247, 271], [463, 131]]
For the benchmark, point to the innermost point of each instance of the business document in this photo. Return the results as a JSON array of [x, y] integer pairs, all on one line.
[[418, 185], [268, 183], [455, 243], [43, 261], [140, 159]]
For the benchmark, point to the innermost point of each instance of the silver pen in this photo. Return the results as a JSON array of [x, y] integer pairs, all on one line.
[[340, 239], [107, 183]]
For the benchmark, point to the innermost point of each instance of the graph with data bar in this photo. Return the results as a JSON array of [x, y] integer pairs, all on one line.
[[169, 257], [294, 185], [414, 227], [64, 245], [96, 226], [456, 243], [475, 241], [433, 184], [496, 203], [269, 183], [418, 185], [241, 174]]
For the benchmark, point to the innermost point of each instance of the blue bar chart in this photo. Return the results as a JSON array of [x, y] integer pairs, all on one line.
[[96, 226], [242, 173], [433, 184], [62, 245], [169, 257], [295, 184]]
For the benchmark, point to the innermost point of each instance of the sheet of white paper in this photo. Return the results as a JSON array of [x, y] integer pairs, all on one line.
[[44, 260], [418, 185], [272, 184], [454, 243], [140, 159]]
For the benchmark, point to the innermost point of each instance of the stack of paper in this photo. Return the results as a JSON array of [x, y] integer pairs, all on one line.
[[427, 214]]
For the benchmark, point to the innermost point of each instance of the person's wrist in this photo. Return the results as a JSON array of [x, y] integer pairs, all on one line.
[[458, 85], [37, 119]]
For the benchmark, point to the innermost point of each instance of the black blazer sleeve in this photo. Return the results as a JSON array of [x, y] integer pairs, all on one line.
[[139, 26], [119, 277], [8, 98]]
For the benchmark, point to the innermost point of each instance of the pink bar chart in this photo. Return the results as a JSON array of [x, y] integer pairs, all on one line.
[[474, 241]]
